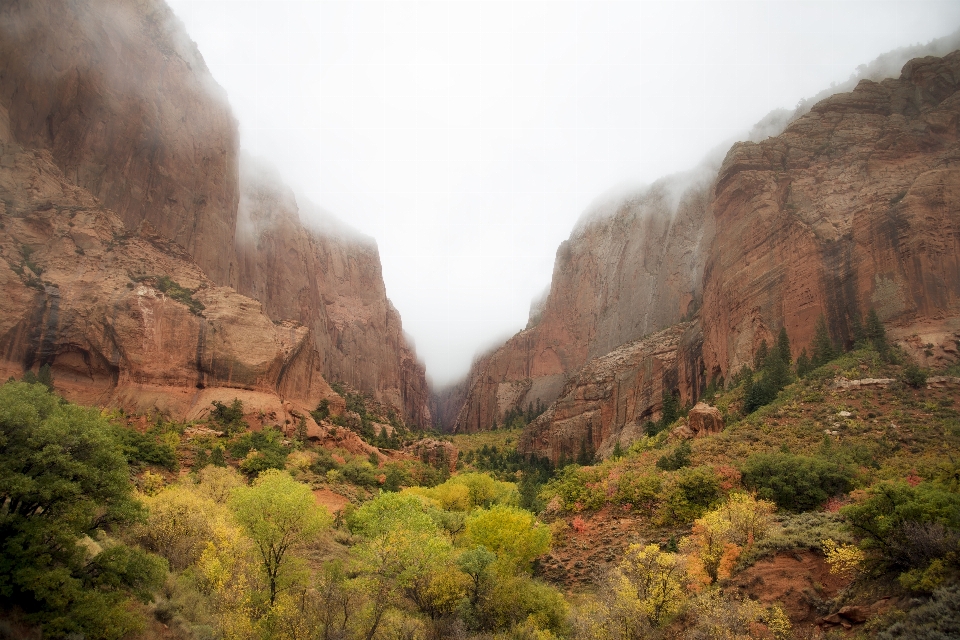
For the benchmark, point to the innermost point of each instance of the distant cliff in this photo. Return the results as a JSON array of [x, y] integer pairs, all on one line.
[[630, 268], [852, 205]]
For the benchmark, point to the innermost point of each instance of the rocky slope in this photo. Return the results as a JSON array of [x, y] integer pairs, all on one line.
[[125, 317], [855, 206], [121, 101], [631, 267], [326, 277], [610, 398]]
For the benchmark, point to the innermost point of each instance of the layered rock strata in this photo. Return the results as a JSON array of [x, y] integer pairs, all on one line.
[[127, 318], [631, 267], [856, 205], [613, 396]]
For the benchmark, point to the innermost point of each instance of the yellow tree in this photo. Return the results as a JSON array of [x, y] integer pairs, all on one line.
[[279, 514], [648, 586], [511, 533], [718, 538]]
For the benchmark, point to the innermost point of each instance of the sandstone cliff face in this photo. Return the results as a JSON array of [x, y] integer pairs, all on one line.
[[632, 267], [123, 101], [327, 278], [95, 302], [855, 206], [610, 398]]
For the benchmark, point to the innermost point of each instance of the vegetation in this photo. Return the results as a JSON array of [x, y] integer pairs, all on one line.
[[104, 538]]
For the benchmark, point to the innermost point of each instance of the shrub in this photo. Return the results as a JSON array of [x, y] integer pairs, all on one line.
[[677, 459], [935, 619], [909, 527], [795, 483], [228, 418], [914, 376]]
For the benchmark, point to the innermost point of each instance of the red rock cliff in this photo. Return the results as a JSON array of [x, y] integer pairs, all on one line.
[[326, 276], [856, 205], [630, 268], [122, 99], [127, 318]]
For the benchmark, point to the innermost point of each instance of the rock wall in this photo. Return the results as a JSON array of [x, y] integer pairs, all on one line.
[[314, 270], [127, 318], [631, 267], [122, 99], [611, 398], [856, 205]]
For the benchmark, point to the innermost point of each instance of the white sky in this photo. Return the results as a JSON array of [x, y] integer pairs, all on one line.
[[467, 137]]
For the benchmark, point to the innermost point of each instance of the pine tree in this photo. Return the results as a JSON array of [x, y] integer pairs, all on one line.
[[803, 364], [857, 331], [617, 451], [877, 334], [823, 349], [760, 357], [783, 346]]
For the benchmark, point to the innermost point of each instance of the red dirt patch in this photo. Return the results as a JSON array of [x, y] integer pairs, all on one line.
[[332, 501], [798, 581]]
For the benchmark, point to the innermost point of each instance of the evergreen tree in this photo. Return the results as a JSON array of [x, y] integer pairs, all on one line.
[[857, 331], [803, 364], [585, 457], [877, 334], [783, 346], [45, 377], [823, 349], [671, 409], [760, 357], [617, 451]]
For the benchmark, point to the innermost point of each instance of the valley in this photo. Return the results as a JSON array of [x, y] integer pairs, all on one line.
[[733, 415]]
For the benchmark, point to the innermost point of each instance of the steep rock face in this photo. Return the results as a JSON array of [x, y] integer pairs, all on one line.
[[633, 266], [123, 101], [127, 318], [856, 205], [612, 396], [326, 277]]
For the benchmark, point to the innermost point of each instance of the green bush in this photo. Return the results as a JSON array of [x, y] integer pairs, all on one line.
[[908, 527], [146, 448], [228, 418], [937, 618], [173, 290], [915, 376], [796, 483], [676, 459]]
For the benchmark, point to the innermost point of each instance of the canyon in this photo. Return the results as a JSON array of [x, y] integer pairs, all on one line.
[[122, 176]]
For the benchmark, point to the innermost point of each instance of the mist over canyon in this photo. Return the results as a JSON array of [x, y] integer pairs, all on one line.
[[370, 320]]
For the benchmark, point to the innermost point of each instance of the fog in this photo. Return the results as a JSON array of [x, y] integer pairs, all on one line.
[[468, 138]]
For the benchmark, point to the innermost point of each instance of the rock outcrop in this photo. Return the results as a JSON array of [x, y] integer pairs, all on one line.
[[306, 266], [126, 317], [856, 205], [121, 98], [633, 266], [120, 101], [610, 399], [702, 420]]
